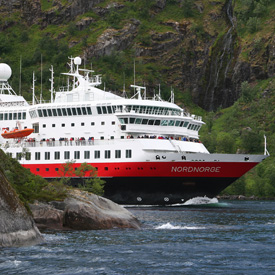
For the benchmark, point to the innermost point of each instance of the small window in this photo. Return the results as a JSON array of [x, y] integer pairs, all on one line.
[[112, 137], [74, 111], [59, 112], [157, 122], [82, 124], [101, 137], [104, 109], [18, 156], [138, 120], [63, 125], [54, 112], [67, 155], [122, 137], [44, 125], [109, 110], [77, 154], [102, 122], [45, 114], [50, 112], [69, 112], [72, 124], [97, 154], [64, 112], [132, 120], [56, 155], [107, 154], [89, 110], [144, 121], [117, 154], [37, 155], [53, 125], [106, 168], [37, 169], [84, 112], [86, 154], [128, 154], [171, 122], [47, 169], [92, 124], [28, 156], [99, 111], [47, 155], [56, 169], [79, 111], [113, 122]]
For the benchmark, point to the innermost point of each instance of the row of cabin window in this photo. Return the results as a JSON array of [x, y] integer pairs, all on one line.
[[74, 111], [82, 124], [157, 122], [137, 109], [87, 155], [13, 116], [152, 110], [78, 111]]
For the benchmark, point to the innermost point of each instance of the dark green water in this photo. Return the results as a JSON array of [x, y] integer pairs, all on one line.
[[236, 237]]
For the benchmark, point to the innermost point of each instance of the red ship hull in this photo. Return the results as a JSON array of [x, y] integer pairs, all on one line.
[[158, 182]]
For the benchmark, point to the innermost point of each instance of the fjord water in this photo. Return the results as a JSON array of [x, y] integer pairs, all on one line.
[[200, 237]]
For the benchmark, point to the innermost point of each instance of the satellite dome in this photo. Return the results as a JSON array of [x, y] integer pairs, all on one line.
[[5, 72], [77, 60]]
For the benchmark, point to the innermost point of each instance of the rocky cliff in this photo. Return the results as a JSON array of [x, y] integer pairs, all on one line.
[[17, 227], [82, 211], [196, 46]]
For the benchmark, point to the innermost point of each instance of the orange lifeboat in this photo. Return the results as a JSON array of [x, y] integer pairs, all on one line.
[[17, 133]]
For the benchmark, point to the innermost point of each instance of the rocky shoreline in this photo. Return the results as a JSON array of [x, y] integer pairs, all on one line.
[[82, 211]]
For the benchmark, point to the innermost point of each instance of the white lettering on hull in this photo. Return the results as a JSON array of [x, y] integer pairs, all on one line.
[[184, 169]]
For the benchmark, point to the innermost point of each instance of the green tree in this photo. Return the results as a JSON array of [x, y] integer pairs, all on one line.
[[251, 142], [225, 143], [252, 24], [187, 7]]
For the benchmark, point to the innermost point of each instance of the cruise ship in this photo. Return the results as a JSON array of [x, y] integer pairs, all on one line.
[[147, 150]]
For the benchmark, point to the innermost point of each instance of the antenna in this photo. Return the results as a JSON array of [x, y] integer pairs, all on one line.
[[134, 72], [172, 96], [265, 150], [33, 88], [41, 79], [20, 74], [51, 80]]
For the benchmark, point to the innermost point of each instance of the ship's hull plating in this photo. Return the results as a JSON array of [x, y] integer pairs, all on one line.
[[159, 182]]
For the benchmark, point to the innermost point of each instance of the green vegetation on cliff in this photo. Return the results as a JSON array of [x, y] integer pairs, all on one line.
[[172, 43], [241, 128]]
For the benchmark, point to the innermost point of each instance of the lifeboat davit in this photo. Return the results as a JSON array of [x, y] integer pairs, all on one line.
[[17, 133]]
